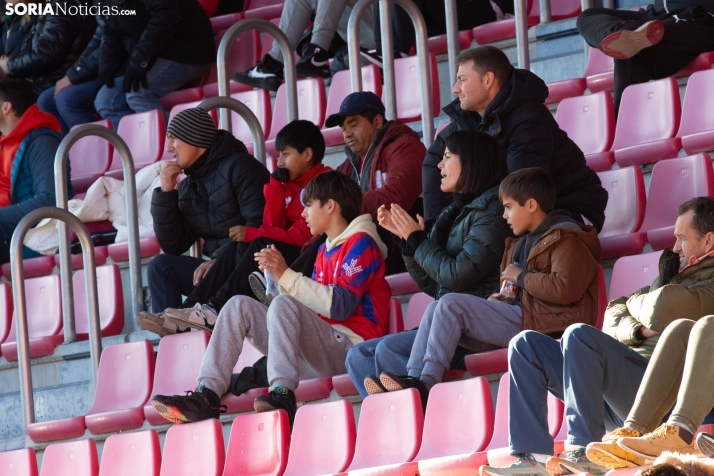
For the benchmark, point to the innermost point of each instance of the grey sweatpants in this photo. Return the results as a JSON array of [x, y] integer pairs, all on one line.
[[297, 342], [460, 319]]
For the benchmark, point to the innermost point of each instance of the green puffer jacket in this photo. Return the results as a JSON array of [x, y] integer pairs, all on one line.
[[689, 294]]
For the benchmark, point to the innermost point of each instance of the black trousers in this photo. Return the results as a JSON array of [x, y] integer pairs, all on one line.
[[686, 35]]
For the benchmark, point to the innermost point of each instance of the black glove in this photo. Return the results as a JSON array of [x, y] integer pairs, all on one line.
[[133, 77], [104, 79], [668, 265]]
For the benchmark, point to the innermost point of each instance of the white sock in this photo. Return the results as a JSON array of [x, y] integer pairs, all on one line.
[[571, 447], [540, 457]]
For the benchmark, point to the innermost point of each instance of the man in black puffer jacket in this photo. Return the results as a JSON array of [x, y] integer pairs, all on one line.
[[223, 188], [508, 104]]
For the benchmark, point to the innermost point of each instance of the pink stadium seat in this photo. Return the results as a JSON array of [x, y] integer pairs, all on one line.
[[311, 107], [590, 122], [244, 403], [647, 123], [177, 364], [194, 448], [265, 9], [258, 101], [502, 29], [599, 72], [131, 453], [702, 62], [389, 433], [224, 22], [340, 88], [258, 444], [74, 458], [182, 96], [601, 298], [147, 247], [44, 318], [19, 462], [313, 389], [673, 182], [33, 267], [457, 426], [396, 320], [625, 211], [402, 283], [111, 302], [89, 158], [144, 134], [101, 253], [178, 108], [415, 311], [438, 45], [631, 273], [566, 88], [441, 127], [406, 72], [697, 127], [6, 308], [243, 56], [323, 439]]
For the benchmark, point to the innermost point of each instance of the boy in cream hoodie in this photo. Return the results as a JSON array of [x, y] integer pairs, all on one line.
[[312, 324]]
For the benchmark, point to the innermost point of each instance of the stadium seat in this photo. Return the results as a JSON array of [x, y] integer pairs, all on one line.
[[389, 434], [258, 101], [340, 88], [311, 107], [402, 283], [631, 273], [599, 72], [441, 127], [111, 302], [89, 159], [625, 211], [415, 311], [258, 444], [147, 247], [182, 96], [144, 134], [6, 308], [601, 298], [131, 454], [458, 424], [647, 123], [224, 22], [101, 253], [265, 9], [590, 122], [244, 402], [502, 29], [702, 62], [396, 320], [406, 78], [194, 448], [242, 56], [697, 126], [438, 45], [177, 364], [672, 183], [178, 108], [33, 267], [44, 318], [566, 88], [19, 462], [73, 458]]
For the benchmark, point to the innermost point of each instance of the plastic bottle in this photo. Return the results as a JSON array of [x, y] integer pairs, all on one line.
[[271, 281]]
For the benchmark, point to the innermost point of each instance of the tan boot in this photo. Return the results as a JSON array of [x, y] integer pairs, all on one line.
[[607, 453], [651, 445]]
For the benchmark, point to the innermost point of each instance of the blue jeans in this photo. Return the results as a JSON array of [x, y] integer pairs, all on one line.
[[595, 375], [170, 277], [164, 77], [74, 104]]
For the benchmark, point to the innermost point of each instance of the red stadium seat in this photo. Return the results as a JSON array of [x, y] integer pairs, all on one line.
[[502, 29], [74, 458], [242, 56], [258, 444], [224, 22], [111, 302], [566, 88], [389, 433], [19, 462], [244, 403], [144, 134], [396, 319], [441, 127], [415, 311], [323, 439], [147, 247], [599, 72], [182, 96], [673, 182], [702, 62], [590, 122], [177, 364], [265, 9], [131, 453], [258, 101], [101, 253], [311, 107], [178, 108], [625, 211], [406, 74], [33, 267], [44, 318], [631, 273], [402, 283], [647, 123], [438, 45], [697, 127], [194, 448], [6, 308], [89, 159], [340, 88], [458, 424], [313, 389]]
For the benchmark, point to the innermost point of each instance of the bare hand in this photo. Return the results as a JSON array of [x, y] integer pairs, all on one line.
[[237, 233], [201, 271], [647, 333], [495, 297], [61, 84], [270, 258], [384, 217], [3, 63], [511, 273], [169, 175], [405, 223]]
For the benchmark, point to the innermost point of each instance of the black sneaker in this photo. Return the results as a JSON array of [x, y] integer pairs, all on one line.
[[194, 406], [257, 285], [395, 382], [373, 385], [280, 398], [268, 74], [373, 56], [313, 63]]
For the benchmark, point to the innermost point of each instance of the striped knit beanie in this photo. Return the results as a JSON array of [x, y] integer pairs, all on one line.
[[193, 126]]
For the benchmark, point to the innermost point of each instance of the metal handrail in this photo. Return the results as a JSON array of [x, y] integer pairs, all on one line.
[[224, 117], [452, 35], [522, 34], [545, 13], [61, 194], [256, 131], [427, 105], [18, 296]]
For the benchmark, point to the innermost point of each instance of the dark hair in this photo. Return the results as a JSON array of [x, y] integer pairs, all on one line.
[[300, 135], [488, 58], [703, 207], [338, 187], [18, 93], [532, 182], [369, 115], [481, 165]]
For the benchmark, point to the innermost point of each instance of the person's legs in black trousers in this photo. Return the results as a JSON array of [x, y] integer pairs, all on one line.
[[170, 277], [225, 263]]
